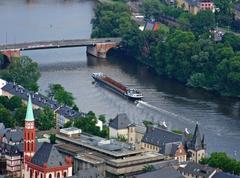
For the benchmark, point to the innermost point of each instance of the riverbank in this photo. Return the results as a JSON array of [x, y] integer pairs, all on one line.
[[176, 54]]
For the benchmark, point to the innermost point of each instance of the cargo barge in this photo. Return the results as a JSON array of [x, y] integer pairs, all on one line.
[[130, 93]]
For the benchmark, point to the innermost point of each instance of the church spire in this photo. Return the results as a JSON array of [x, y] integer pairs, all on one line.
[[29, 114], [196, 142]]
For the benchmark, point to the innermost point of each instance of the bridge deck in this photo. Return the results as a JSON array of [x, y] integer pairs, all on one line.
[[58, 44]]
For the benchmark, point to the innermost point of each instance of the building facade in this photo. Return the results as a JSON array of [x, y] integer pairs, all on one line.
[[46, 162], [194, 6]]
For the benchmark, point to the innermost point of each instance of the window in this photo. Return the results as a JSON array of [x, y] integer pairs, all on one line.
[[50, 176], [31, 173], [65, 174], [58, 175], [41, 175], [36, 174]]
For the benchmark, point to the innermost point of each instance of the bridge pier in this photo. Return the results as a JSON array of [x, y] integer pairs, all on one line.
[[100, 49], [9, 53]]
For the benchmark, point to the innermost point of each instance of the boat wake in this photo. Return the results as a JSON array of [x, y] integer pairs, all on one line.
[[141, 104]]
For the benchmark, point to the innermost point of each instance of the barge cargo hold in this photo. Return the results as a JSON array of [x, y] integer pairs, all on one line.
[[104, 80]]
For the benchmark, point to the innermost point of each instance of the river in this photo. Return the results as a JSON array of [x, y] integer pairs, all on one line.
[[164, 100]]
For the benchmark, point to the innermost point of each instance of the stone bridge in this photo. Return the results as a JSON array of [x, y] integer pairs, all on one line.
[[97, 47]]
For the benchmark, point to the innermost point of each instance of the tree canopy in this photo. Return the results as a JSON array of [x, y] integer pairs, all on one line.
[[45, 119], [23, 71], [222, 161], [61, 95]]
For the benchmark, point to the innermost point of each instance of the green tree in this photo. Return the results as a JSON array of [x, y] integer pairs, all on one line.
[[4, 101], [68, 124], [23, 71], [14, 102], [203, 22], [151, 8], [229, 76], [62, 96], [102, 118], [45, 119], [232, 40], [222, 161], [6, 117], [75, 108], [52, 138], [147, 123], [88, 124], [112, 20], [105, 132], [19, 115], [148, 168], [121, 138]]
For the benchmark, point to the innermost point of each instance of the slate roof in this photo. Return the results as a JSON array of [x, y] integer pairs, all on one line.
[[41, 100], [88, 173], [164, 173], [197, 141], [37, 98], [170, 149], [11, 150], [121, 121], [69, 113], [14, 135], [48, 154], [224, 175], [160, 137], [197, 169]]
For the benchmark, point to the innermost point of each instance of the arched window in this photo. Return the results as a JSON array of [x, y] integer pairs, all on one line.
[[50, 176], [36, 174], [65, 174], [31, 173], [58, 175], [41, 175]]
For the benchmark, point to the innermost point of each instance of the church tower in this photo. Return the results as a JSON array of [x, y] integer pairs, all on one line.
[[29, 133], [197, 147]]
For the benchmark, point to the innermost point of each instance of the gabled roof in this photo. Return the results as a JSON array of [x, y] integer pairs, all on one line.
[[197, 169], [14, 135], [160, 137], [37, 98], [161, 173], [48, 154], [121, 121]]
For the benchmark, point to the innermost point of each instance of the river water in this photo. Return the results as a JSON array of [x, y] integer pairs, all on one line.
[[164, 100]]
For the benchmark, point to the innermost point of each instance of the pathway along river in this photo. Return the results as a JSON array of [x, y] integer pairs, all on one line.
[[165, 100]]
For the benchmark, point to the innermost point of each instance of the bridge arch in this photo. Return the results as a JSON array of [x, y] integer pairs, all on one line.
[[100, 49], [4, 61]]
